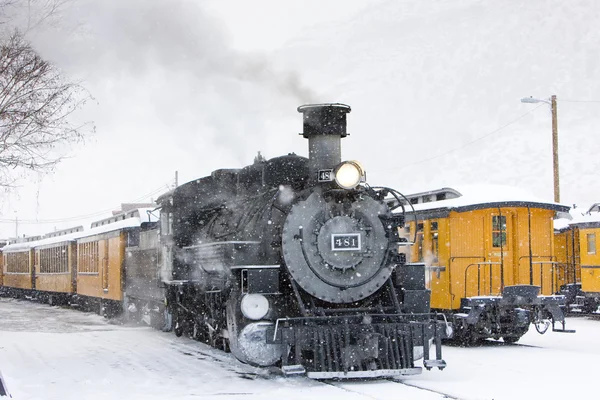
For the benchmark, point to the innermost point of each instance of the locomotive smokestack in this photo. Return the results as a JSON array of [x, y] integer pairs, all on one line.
[[324, 126]]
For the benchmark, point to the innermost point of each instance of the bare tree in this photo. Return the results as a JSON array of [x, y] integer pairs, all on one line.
[[35, 106]]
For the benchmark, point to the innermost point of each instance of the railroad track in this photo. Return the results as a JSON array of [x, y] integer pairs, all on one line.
[[377, 389], [386, 388]]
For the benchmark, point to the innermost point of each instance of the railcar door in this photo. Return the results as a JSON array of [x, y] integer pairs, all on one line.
[[500, 245]]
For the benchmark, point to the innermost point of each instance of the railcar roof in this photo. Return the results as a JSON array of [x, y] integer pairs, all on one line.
[[484, 196], [581, 216], [128, 222]]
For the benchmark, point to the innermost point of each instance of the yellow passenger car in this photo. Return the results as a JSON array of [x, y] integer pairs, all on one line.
[[18, 270], [490, 255], [55, 262], [581, 257], [101, 260]]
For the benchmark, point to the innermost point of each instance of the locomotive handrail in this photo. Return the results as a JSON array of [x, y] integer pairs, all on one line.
[[491, 265]]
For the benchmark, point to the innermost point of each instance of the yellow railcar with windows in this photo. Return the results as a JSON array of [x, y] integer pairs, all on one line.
[[581, 256], [101, 262], [490, 255], [18, 267], [55, 263]]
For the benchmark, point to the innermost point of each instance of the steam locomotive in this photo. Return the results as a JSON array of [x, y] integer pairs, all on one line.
[[297, 261], [293, 262]]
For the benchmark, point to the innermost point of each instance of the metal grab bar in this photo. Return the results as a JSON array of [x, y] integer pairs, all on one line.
[[567, 268], [491, 265], [552, 273], [531, 262], [450, 270]]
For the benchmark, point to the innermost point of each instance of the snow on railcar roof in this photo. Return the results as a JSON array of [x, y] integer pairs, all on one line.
[[127, 219], [75, 234], [473, 195], [579, 215], [589, 217]]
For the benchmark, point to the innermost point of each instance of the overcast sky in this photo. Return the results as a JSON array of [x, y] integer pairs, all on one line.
[[193, 86]]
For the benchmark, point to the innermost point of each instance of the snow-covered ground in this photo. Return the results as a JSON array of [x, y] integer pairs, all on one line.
[[53, 353]]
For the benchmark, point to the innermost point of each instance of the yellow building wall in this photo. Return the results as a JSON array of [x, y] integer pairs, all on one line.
[[590, 260]]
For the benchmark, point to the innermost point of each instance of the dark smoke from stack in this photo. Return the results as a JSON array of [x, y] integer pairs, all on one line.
[[170, 62]]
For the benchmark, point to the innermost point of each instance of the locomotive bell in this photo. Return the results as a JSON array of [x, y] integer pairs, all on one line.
[[324, 126]]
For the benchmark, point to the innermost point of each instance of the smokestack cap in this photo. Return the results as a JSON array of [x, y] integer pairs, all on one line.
[[324, 119]]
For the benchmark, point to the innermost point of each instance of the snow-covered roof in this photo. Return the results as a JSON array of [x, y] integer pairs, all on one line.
[[587, 218], [476, 195], [129, 219], [579, 216]]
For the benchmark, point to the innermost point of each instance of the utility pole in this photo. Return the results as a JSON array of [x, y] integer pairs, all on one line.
[[176, 178], [555, 149], [552, 103]]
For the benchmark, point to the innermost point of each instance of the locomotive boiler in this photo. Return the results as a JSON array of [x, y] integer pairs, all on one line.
[[297, 262]]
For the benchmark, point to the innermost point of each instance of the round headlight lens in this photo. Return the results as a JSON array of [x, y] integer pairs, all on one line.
[[254, 306], [348, 175]]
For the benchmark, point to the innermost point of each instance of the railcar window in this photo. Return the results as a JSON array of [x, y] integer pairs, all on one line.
[[17, 263], [53, 260], [88, 257], [498, 231], [166, 219], [133, 238], [591, 243]]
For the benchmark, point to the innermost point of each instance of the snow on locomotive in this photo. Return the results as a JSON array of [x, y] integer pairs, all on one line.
[[295, 262]]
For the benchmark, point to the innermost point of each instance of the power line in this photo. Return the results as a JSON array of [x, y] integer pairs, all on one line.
[[473, 141], [578, 101], [162, 188]]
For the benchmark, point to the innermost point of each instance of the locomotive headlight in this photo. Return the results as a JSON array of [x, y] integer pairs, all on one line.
[[254, 306], [349, 174]]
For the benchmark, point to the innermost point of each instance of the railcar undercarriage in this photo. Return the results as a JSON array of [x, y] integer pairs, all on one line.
[[508, 316]]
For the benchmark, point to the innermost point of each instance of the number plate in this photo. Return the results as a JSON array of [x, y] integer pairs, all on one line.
[[325, 175], [345, 242]]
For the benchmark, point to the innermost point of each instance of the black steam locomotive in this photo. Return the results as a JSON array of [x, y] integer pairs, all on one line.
[[297, 262]]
